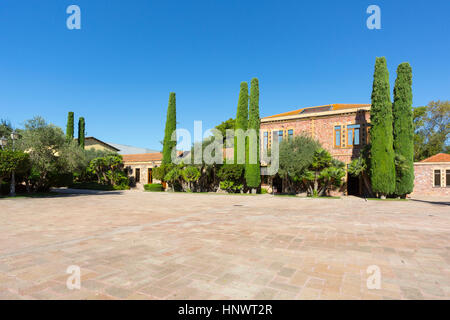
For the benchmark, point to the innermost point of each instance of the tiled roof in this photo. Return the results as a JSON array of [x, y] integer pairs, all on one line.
[[142, 157], [440, 157], [333, 107]]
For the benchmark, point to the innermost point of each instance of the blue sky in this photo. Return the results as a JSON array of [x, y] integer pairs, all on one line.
[[118, 70]]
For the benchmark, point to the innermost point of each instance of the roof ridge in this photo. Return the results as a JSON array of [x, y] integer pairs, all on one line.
[[333, 105], [438, 157]]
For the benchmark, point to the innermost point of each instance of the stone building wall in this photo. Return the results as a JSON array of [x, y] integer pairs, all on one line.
[[132, 166], [424, 179]]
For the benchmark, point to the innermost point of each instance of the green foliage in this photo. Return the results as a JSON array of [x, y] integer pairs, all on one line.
[[51, 156], [5, 128], [81, 132], [230, 186], [357, 166], [231, 172], [241, 120], [171, 126], [208, 172], [360, 167], [382, 159], [253, 171], [431, 129], [190, 174], [70, 126], [323, 173], [295, 156], [153, 187], [332, 176], [92, 153], [160, 172], [109, 171], [10, 161], [403, 129], [231, 177], [226, 125], [174, 177]]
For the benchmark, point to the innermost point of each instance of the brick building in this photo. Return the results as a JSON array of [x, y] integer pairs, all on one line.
[[140, 166], [342, 129], [432, 176]]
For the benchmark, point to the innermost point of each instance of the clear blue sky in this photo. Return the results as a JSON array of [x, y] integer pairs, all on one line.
[[118, 70]]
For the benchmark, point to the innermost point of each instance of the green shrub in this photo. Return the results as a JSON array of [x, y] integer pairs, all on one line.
[[264, 191], [153, 187], [230, 186]]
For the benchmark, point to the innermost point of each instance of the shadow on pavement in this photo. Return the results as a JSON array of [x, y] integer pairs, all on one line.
[[438, 202], [58, 193]]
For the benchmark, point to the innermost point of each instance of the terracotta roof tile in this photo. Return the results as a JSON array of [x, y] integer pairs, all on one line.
[[335, 106], [440, 157], [142, 157]]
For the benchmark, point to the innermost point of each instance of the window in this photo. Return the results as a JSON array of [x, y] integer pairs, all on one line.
[[137, 175], [437, 178], [353, 135], [337, 136], [447, 178], [290, 134], [266, 140], [280, 136]]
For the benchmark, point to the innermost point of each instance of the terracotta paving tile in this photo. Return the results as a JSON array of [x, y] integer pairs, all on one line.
[[155, 292], [138, 245]]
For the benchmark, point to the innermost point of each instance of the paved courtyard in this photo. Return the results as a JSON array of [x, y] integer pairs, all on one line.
[[136, 245]]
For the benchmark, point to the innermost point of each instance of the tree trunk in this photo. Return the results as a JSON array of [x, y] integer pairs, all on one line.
[[367, 184], [316, 184]]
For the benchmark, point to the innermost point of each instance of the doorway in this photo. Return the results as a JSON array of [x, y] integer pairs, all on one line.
[[353, 185], [277, 184], [149, 176]]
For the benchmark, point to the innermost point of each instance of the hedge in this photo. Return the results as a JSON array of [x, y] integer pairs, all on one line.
[[153, 187]]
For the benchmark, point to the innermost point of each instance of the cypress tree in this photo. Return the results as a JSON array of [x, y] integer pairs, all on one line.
[[171, 126], [69, 128], [253, 171], [81, 132], [403, 128], [382, 153], [241, 120]]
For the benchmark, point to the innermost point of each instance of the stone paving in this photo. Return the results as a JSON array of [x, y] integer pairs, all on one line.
[[138, 245]]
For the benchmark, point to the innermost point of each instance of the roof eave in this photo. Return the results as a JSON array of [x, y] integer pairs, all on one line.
[[315, 114]]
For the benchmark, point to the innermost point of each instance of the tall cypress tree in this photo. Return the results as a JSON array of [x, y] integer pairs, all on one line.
[[382, 153], [81, 132], [69, 128], [241, 120], [403, 128], [253, 171], [171, 126]]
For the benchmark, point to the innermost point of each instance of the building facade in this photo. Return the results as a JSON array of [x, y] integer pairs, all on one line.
[[342, 129], [98, 145], [139, 167], [432, 176]]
